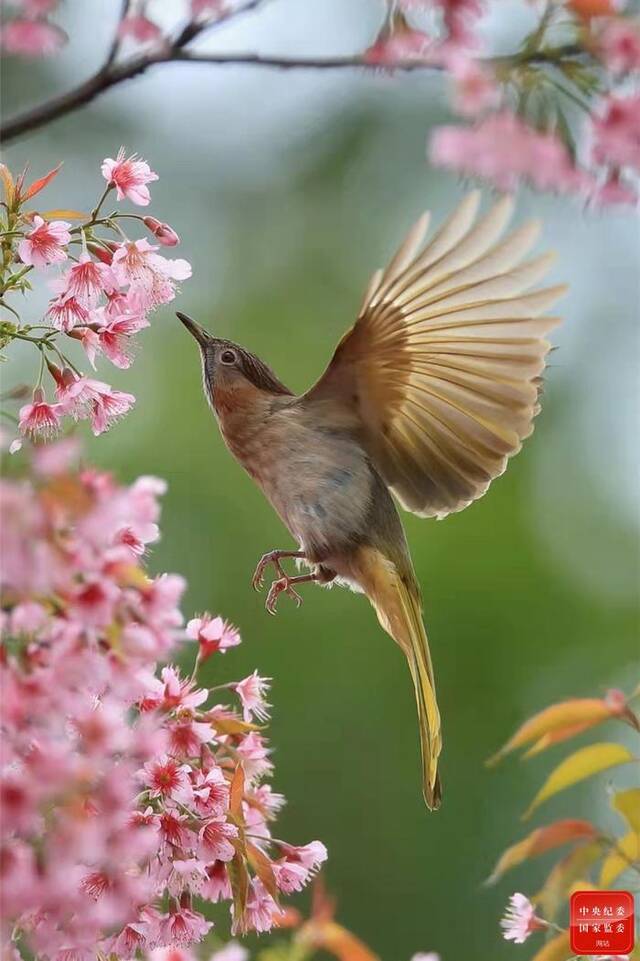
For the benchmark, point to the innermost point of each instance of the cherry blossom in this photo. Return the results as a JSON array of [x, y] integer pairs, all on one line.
[[129, 176], [252, 691], [45, 243], [616, 132], [213, 634], [140, 29], [519, 920], [40, 419], [31, 37], [525, 153], [619, 45]]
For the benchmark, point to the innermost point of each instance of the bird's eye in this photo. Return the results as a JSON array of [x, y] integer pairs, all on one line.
[[228, 357]]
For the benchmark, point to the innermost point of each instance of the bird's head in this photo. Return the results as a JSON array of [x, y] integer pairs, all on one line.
[[229, 371]]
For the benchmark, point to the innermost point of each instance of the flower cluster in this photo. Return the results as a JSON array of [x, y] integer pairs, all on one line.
[[524, 123], [131, 797], [103, 292], [29, 31], [516, 105]]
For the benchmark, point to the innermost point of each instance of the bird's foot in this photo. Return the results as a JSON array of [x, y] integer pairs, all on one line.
[[276, 589], [271, 557]]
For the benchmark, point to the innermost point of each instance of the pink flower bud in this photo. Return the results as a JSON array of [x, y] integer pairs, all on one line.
[[163, 233], [105, 256]]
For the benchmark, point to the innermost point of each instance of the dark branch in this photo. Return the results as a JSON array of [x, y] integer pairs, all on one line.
[[111, 75]]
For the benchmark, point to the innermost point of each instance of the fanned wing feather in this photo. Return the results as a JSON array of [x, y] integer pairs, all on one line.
[[444, 362]]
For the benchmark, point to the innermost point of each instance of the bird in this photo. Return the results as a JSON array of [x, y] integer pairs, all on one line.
[[424, 401]]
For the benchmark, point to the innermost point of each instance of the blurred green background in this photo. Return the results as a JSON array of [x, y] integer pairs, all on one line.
[[288, 190]]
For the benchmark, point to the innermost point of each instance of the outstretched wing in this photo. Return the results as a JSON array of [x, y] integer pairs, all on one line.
[[444, 361]]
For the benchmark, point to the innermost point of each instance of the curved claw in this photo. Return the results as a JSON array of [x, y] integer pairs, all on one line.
[[277, 588], [271, 557]]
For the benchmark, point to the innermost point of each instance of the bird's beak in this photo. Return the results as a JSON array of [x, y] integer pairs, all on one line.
[[194, 329]]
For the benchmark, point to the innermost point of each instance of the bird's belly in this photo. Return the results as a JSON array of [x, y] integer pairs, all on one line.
[[319, 486]]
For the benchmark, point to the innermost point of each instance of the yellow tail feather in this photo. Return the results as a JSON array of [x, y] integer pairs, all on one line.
[[397, 604]]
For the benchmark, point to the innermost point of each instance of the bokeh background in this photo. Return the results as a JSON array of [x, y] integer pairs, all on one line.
[[288, 189]]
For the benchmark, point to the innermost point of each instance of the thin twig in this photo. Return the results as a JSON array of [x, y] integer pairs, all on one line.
[[104, 80], [115, 43]]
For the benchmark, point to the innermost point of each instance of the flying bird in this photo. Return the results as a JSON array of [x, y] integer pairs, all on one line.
[[426, 398]]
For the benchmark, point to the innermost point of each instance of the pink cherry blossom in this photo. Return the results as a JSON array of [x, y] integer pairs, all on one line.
[[152, 277], [184, 927], [84, 397], [616, 132], [31, 37], [40, 419], [45, 243], [504, 150], [129, 176], [261, 911], [87, 280], [252, 691], [115, 339], [206, 8], [618, 44], [66, 313], [215, 840], [140, 29], [213, 634], [519, 920]]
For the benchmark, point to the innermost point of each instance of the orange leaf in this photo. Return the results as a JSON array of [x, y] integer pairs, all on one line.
[[541, 840], [263, 868], [563, 875], [8, 184], [236, 793], [61, 213], [335, 939], [586, 9], [555, 737], [40, 184], [586, 712], [558, 949]]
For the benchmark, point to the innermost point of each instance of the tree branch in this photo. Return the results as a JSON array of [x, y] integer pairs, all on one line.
[[111, 75]]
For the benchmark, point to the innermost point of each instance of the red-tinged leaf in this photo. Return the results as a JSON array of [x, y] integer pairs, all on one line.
[[239, 880], [563, 875], [61, 213], [624, 856], [586, 712], [8, 184], [541, 840], [236, 793], [40, 184], [557, 949], [582, 764], [263, 868], [335, 939]]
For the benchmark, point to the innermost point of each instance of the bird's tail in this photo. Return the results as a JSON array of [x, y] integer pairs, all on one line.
[[396, 600]]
